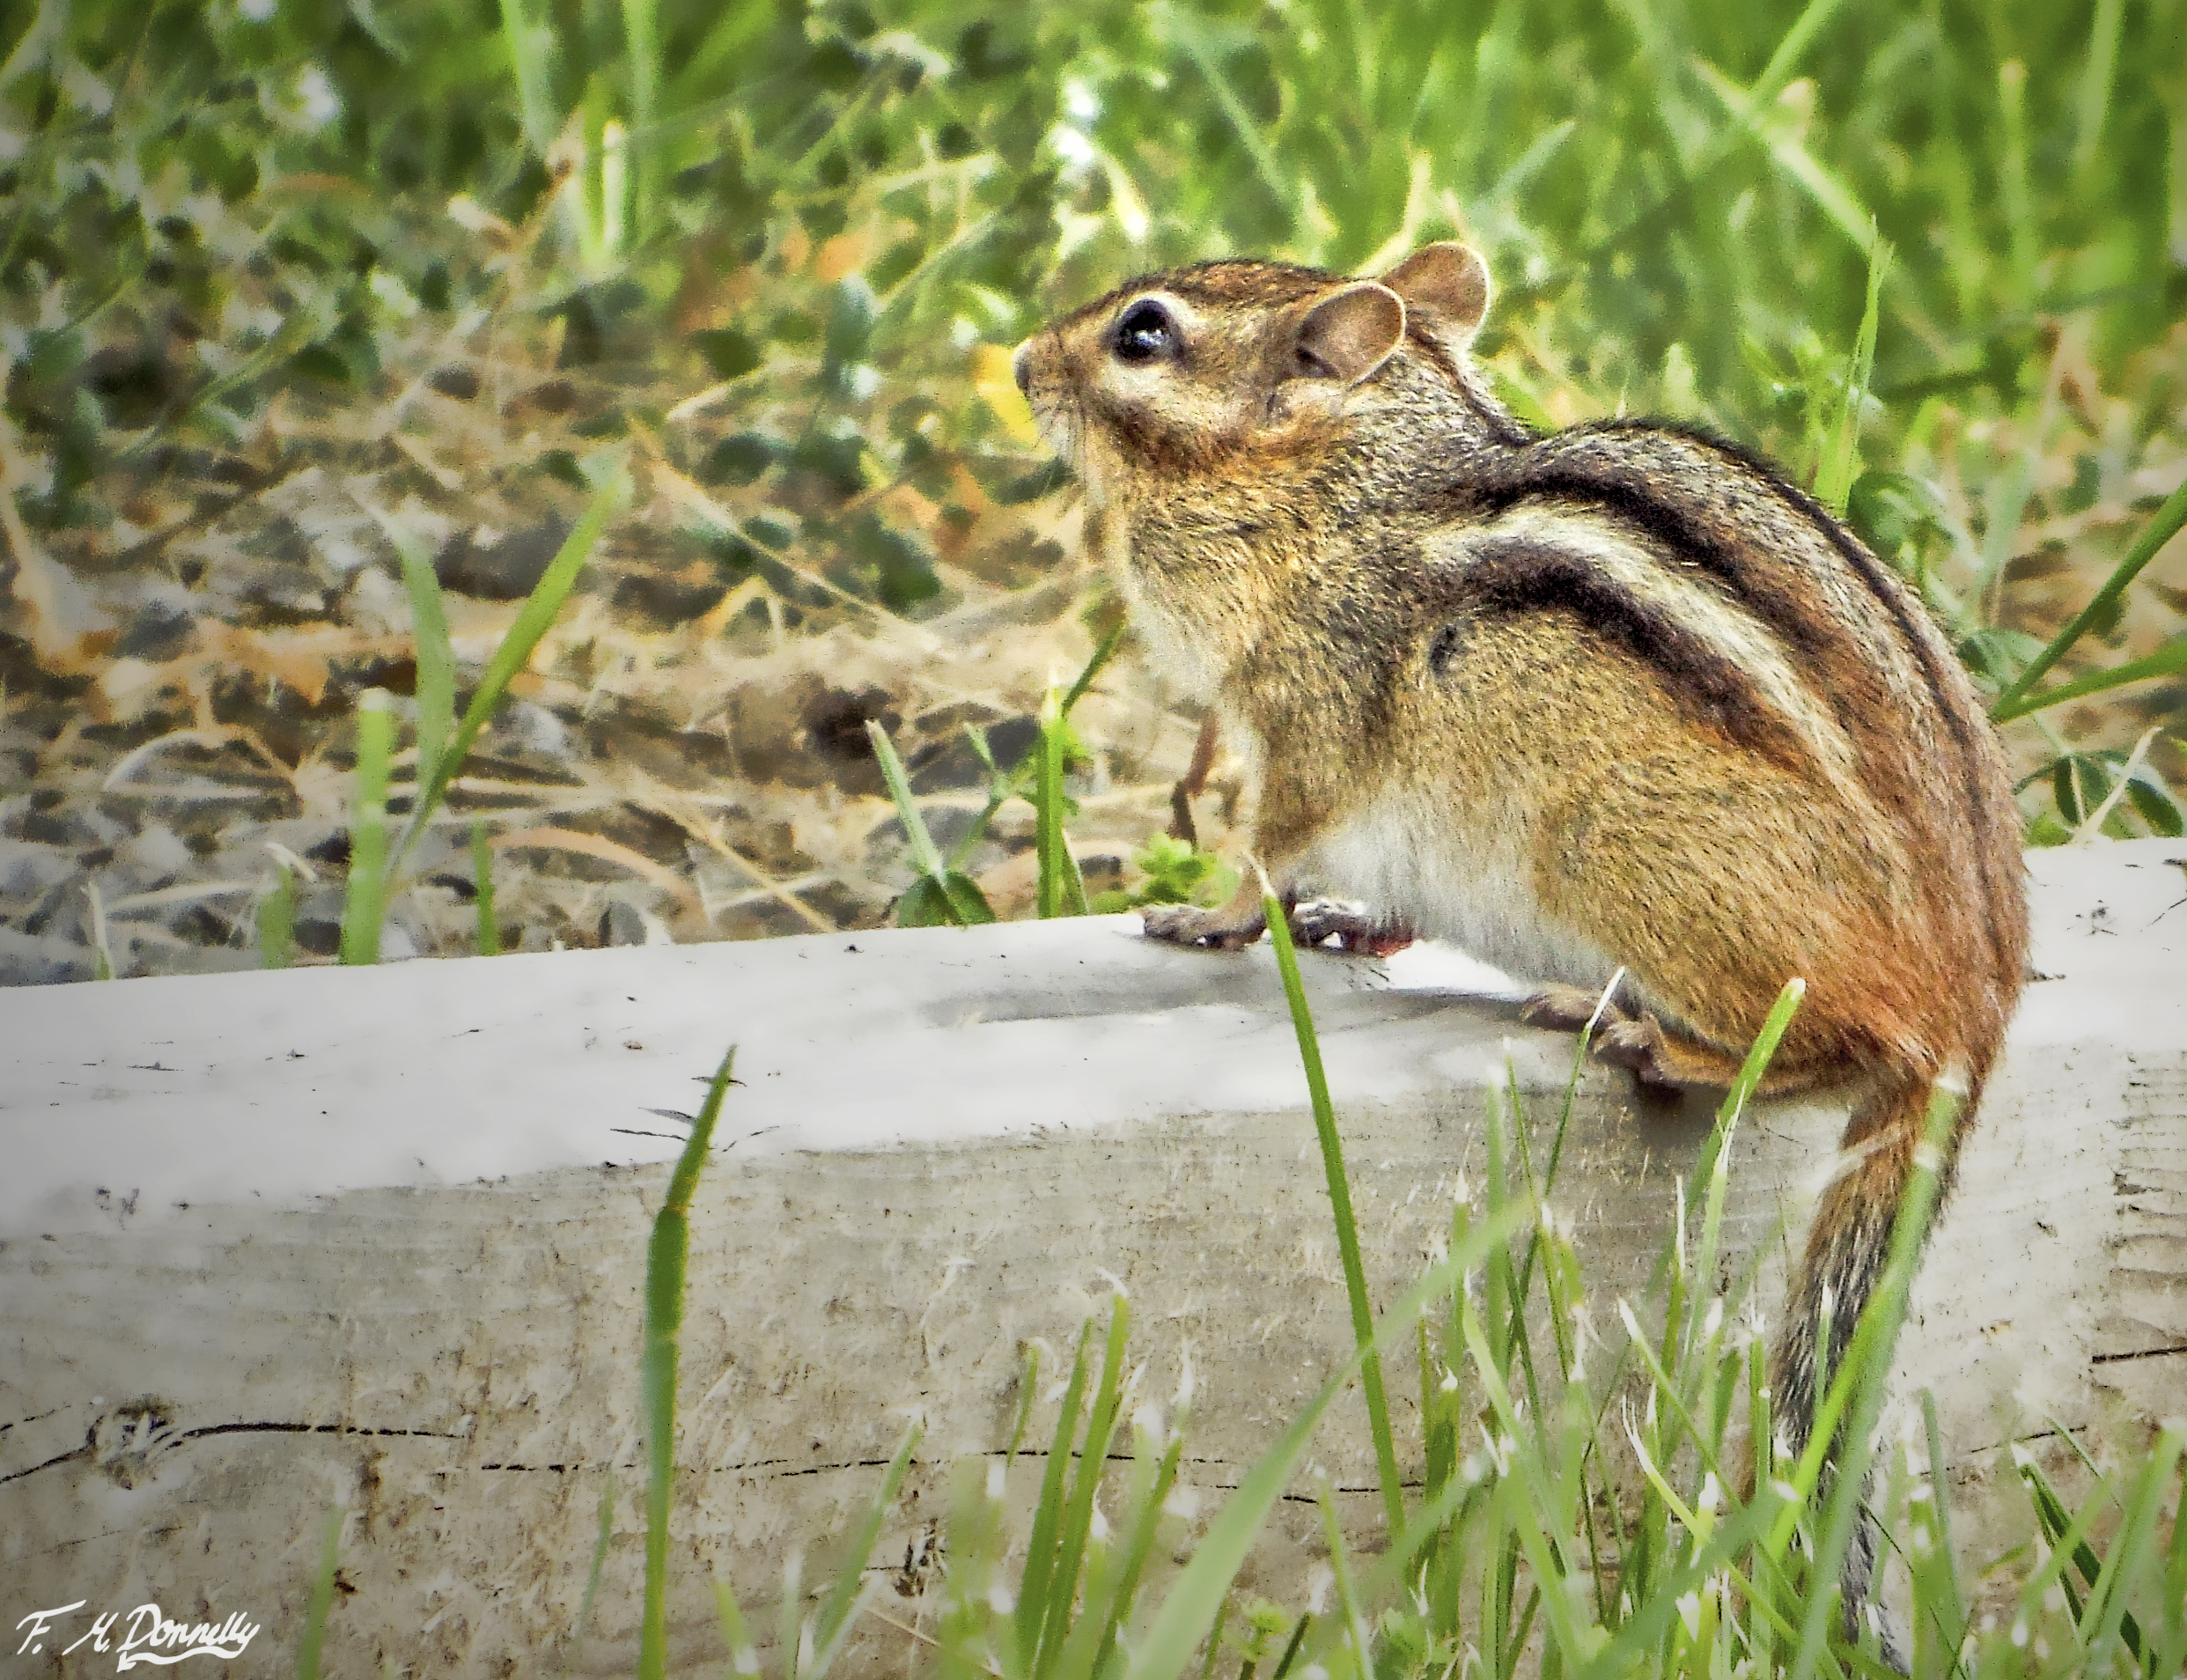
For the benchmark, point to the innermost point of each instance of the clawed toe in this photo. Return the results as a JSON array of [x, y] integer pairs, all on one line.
[[1356, 932], [1637, 1042], [1622, 1040], [1186, 924], [1567, 1009]]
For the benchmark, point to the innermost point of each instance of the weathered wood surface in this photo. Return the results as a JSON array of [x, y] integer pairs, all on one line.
[[375, 1238]]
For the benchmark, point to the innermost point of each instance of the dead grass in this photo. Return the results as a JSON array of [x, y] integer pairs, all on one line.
[[686, 757]]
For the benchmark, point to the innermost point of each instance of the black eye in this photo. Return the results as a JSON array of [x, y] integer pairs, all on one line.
[[1145, 332]]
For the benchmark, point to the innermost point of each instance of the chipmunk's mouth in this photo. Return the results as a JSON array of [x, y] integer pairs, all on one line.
[[1057, 428]]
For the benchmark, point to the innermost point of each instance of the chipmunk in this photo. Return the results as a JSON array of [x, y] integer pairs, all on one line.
[[1613, 697]]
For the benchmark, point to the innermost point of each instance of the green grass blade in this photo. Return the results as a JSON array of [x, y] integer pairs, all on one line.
[[743, 1654], [1193, 38], [1355, 1618], [1062, 888], [2168, 660], [530, 64], [532, 621], [102, 948], [1291, 1646], [2095, 96], [483, 883], [665, 1259], [2133, 1544], [941, 895], [1841, 459], [1040, 1551], [1751, 1071], [1215, 1642], [320, 1602], [2171, 1654], [641, 26], [1139, 1547], [1029, 1385], [1937, 1590], [1101, 657], [925, 856], [2012, 180], [276, 921], [600, 1541], [1078, 1516], [1526, 1497], [1007, 785], [436, 657], [2066, 1538], [1792, 47], [833, 1625], [1340, 1207], [1165, 1649], [2163, 525], [1048, 812], [365, 905], [790, 1637], [1107, 1598]]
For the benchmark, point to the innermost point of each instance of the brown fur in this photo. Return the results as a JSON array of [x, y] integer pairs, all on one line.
[[1691, 724]]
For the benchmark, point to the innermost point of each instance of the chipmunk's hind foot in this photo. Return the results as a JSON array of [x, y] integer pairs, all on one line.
[[1568, 1009], [1356, 933], [1660, 1056]]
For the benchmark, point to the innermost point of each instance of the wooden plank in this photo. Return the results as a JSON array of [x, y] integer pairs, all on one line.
[[270, 1244]]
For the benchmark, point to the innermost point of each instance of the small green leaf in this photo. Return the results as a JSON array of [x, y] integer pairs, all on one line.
[[2079, 784], [730, 353], [1996, 655], [320, 363], [2156, 804], [739, 459], [966, 898], [2045, 830], [948, 900], [1891, 510]]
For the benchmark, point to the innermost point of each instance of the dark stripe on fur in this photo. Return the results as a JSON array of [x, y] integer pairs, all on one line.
[[1547, 474], [1896, 601], [1656, 515], [1519, 577]]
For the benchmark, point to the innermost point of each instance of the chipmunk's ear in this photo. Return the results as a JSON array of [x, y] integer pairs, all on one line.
[[1350, 333], [1449, 282]]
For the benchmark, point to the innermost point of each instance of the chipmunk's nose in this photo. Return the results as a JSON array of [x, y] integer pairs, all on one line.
[[1021, 366]]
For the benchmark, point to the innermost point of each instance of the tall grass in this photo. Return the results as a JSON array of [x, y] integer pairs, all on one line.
[[441, 741], [845, 209], [1577, 1510]]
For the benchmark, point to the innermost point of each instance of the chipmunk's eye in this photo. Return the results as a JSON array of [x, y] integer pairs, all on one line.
[[1145, 332]]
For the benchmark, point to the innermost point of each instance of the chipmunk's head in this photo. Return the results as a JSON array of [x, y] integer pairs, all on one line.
[[1179, 375]]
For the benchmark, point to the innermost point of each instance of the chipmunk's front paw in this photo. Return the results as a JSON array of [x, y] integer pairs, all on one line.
[[1186, 924], [1356, 933]]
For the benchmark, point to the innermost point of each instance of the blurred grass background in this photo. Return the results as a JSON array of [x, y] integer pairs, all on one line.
[[273, 273]]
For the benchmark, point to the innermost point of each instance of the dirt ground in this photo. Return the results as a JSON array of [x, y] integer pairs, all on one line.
[[686, 757]]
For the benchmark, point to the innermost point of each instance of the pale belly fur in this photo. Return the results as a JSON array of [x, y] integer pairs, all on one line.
[[1402, 860]]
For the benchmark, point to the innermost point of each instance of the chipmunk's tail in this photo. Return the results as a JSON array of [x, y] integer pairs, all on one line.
[[1849, 1244], [1850, 1239]]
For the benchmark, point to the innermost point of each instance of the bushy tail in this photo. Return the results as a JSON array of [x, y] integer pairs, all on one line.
[[1850, 1242], [1849, 1245]]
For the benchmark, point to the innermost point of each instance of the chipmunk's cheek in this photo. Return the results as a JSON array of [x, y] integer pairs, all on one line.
[[1302, 402]]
